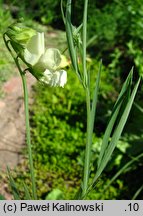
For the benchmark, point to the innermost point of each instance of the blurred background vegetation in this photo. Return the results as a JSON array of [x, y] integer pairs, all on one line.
[[115, 34]]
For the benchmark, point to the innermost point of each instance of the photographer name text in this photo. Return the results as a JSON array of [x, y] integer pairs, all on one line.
[[61, 207]]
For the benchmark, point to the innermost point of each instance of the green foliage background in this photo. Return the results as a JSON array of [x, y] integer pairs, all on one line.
[[116, 26], [58, 139]]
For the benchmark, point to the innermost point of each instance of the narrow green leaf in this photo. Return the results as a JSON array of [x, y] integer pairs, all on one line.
[[91, 40], [108, 133], [137, 193], [62, 12], [27, 194], [117, 133], [133, 160], [125, 86], [84, 38], [115, 112], [138, 107], [13, 186], [69, 34], [95, 97], [78, 194], [78, 29]]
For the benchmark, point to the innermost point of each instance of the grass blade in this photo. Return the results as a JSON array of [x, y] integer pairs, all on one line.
[[95, 97], [138, 107], [123, 169], [13, 186], [91, 41], [62, 12], [69, 35], [84, 40], [117, 133], [137, 193], [114, 115], [27, 194]]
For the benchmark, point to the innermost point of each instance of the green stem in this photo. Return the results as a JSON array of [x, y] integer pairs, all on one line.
[[28, 129], [64, 50], [88, 146], [84, 40], [28, 136], [87, 89]]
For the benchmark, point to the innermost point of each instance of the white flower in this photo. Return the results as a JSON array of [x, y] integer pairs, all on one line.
[[45, 63]]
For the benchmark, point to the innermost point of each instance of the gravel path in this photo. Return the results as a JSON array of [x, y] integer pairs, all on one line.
[[12, 126], [12, 122]]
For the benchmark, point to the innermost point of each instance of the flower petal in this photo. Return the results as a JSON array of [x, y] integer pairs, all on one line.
[[50, 60], [34, 49], [64, 62], [47, 77], [58, 78]]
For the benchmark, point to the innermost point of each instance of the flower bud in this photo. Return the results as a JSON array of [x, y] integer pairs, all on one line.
[[20, 34]]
